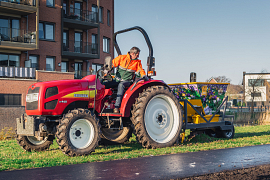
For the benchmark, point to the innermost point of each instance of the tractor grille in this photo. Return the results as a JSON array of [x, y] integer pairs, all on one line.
[[51, 92], [51, 104], [32, 105]]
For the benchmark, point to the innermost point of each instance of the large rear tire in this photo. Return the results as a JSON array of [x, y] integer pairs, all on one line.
[[78, 133], [114, 136], [31, 143], [157, 118]]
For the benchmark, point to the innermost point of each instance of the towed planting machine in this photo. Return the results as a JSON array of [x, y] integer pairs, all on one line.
[[79, 113]]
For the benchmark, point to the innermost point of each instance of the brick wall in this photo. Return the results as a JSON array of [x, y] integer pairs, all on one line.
[[8, 116]]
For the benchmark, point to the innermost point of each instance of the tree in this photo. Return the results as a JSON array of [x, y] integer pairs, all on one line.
[[220, 79]]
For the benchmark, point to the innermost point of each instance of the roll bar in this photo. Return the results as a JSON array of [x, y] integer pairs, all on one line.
[[150, 59]]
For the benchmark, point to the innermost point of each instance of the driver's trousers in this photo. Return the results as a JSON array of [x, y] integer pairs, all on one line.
[[120, 89]]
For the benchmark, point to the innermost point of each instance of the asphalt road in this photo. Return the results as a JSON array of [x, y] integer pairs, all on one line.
[[155, 167]]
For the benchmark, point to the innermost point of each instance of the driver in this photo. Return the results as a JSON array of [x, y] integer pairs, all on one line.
[[128, 65]]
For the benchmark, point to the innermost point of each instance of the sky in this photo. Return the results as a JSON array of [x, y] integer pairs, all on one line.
[[209, 37]]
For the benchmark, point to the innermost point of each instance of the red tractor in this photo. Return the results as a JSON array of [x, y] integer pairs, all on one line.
[[80, 112]]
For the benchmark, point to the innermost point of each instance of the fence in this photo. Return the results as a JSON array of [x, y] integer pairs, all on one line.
[[248, 109], [17, 72]]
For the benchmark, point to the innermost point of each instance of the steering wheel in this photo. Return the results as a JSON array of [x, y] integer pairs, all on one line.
[[104, 77]]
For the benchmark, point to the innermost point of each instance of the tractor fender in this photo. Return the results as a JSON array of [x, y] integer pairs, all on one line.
[[130, 95]]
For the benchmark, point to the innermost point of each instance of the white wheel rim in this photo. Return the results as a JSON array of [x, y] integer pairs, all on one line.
[[81, 133], [161, 118], [33, 140], [229, 133]]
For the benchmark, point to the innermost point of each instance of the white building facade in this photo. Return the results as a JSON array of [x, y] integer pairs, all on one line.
[[256, 84]]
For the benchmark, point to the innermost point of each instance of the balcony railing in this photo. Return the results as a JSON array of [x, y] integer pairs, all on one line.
[[24, 2], [81, 15], [80, 47], [17, 72], [81, 74], [17, 35]]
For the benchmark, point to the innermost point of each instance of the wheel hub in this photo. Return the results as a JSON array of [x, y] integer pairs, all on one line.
[[78, 132], [161, 120]]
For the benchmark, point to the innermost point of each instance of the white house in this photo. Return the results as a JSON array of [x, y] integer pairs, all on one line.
[[257, 84]]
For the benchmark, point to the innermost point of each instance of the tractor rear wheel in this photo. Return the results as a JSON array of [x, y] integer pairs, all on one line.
[[31, 143], [157, 117], [78, 133], [113, 136]]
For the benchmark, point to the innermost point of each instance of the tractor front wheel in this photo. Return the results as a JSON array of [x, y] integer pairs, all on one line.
[[157, 118], [31, 143], [78, 133]]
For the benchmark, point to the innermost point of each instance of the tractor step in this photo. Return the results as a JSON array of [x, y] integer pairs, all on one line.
[[110, 114], [109, 120]]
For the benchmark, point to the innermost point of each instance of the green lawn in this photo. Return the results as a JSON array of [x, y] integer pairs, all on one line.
[[12, 156]]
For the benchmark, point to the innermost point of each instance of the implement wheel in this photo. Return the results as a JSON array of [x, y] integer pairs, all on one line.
[[114, 136], [228, 134], [78, 133], [157, 118], [211, 133], [31, 143]]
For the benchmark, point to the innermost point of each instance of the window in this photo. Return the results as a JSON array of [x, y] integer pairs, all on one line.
[[65, 8], [64, 66], [33, 62], [108, 18], [96, 67], [256, 94], [10, 30], [65, 40], [100, 14], [46, 31], [50, 3], [78, 42], [94, 13], [255, 82], [94, 44], [78, 70], [50, 63], [9, 60], [95, 10], [77, 10], [10, 99], [106, 44]]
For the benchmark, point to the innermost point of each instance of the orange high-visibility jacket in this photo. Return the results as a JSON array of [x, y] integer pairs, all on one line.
[[127, 67]]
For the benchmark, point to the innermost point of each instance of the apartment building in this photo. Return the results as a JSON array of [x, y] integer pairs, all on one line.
[[256, 85], [42, 40]]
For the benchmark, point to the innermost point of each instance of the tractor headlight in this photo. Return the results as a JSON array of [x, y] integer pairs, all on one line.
[[32, 97]]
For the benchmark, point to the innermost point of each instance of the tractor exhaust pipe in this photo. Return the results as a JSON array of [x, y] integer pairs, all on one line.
[[192, 77]]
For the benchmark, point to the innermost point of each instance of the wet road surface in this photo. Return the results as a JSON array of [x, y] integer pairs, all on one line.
[[155, 167]]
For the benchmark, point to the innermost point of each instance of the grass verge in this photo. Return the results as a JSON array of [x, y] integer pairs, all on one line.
[[13, 157]]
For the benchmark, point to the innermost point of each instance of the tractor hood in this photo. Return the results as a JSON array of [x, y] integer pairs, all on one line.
[[57, 97]]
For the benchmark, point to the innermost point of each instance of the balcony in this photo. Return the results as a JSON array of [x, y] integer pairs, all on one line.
[[18, 7], [81, 74], [81, 19], [17, 39], [80, 50], [17, 72]]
